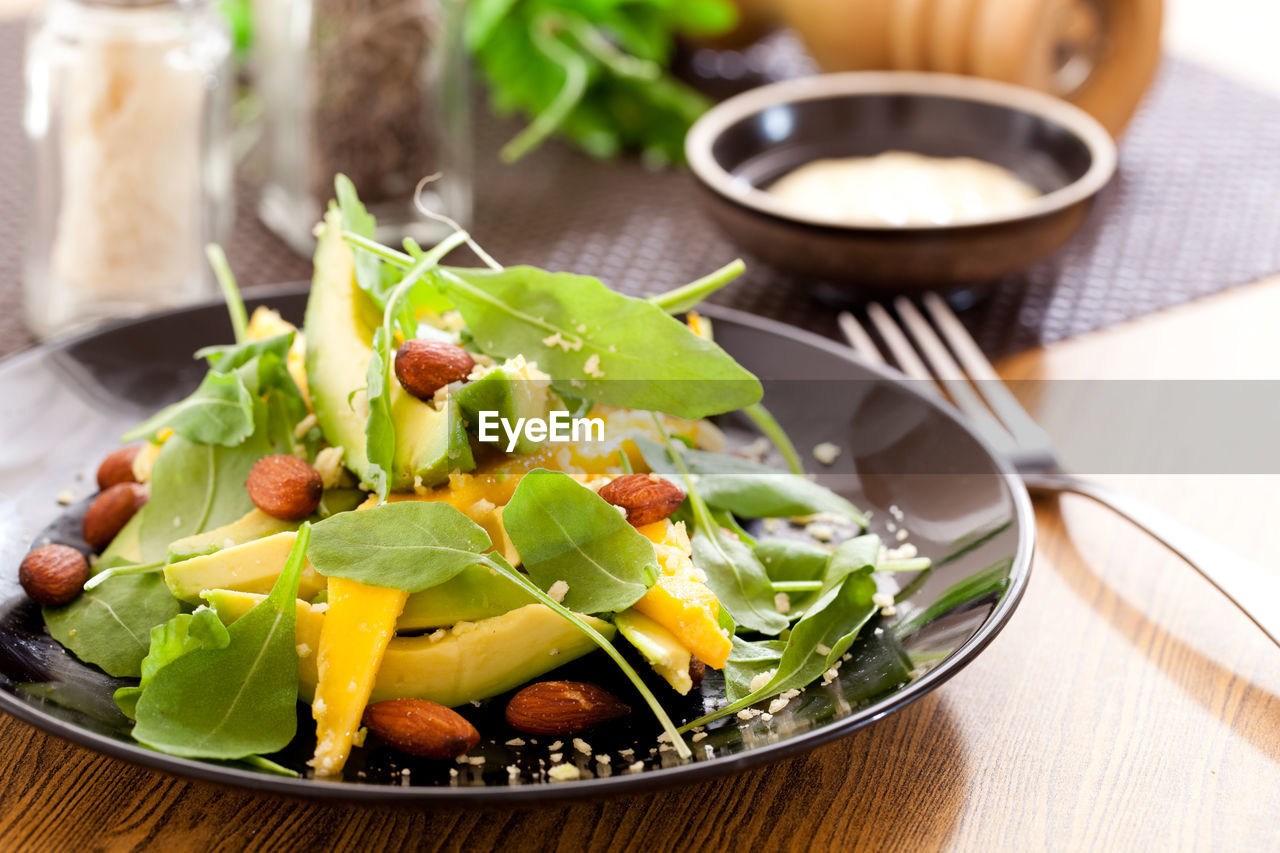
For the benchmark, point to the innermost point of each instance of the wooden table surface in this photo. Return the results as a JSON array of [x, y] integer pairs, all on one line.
[[1127, 705]]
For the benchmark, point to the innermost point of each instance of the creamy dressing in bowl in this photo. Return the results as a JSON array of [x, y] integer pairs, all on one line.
[[901, 188]]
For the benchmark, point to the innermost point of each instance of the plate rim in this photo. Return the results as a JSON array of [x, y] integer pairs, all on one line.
[[522, 795]]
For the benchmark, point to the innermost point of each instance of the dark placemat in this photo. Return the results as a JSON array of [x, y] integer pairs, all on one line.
[[1193, 211]]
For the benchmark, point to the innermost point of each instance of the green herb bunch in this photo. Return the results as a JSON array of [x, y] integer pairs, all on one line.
[[593, 71]]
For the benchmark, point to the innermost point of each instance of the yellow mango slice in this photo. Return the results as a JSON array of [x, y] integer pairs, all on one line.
[[358, 625], [680, 601]]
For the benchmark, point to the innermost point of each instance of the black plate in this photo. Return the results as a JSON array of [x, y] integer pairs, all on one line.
[[906, 458]]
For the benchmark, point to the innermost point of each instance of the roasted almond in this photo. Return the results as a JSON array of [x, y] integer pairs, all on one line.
[[424, 367], [285, 487], [118, 467], [562, 708], [420, 727], [697, 669], [53, 574], [646, 497], [110, 511]]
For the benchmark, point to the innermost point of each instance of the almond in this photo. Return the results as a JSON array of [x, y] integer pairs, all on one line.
[[646, 497], [285, 487], [697, 669], [53, 574], [424, 367], [110, 511], [118, 467], [562, 708], [422, 728]]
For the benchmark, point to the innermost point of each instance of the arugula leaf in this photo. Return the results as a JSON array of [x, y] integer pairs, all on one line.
[[787, 560], [991, 582], [563, 531], [593, 71], [408, 545], [747, 662], [109, 625], [748, 489], [737, 578], [238, 700], [358, 220], [596, 343], [219, 411], [816, 642], [184, 633]]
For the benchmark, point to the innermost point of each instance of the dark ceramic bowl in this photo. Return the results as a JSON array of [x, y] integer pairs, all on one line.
[[745, 143], [910, 461]]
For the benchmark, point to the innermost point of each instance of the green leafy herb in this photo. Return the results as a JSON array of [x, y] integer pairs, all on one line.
[[792, 560], [230, 292], [110, 626], [238, 700], [688, 296], [184, 633], [598, 344], [991, 582], [566, 532], [593, 71], [219, 411], [777, 436], [733, 572], [815, 645], [408, 545], [749, 489]]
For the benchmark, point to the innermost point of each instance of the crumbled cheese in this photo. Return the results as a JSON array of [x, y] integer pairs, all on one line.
[[303, 650], [749, 713], [475, 760], [558, 340], [515, 741], [592, 366], [582, 746], [513, 772], [778, 704], [320, 608], [66, 496], [604, 759], [766, 716], [329, 465], [438, 635], [556, 756], [826, 453], [564, 773], [358, 740], [636, 767], [902, 534], [761, 680], [304, 426], [782, 603], [626, 753], [822, 649], [699, 736], [556, 745], [885, 602], [558, 591], [820, 530]]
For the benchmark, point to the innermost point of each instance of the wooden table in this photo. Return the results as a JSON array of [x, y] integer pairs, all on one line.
[[1127, 705]]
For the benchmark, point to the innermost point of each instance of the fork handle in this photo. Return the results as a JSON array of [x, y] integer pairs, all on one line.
[[1252, 588]]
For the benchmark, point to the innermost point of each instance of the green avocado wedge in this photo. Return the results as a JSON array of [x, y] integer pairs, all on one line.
[[340, 322], [474, 661]]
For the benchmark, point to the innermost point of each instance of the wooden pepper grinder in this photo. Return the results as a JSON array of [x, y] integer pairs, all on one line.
[[1099, 54]]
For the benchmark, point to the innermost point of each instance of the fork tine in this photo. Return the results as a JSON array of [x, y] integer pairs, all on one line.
[[951, 376], [899, 347], [858, 338], [1026, 432]]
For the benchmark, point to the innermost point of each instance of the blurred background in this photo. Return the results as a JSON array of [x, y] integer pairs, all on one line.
[[134, 131]]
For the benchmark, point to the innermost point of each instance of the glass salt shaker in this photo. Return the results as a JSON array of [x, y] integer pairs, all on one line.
[[373, 89], [127, 115]]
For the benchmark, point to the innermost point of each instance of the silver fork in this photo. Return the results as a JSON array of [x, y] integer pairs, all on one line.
[[973, 385]]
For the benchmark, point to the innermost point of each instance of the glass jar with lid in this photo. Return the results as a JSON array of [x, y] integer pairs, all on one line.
[[373, 89], [127, 114]]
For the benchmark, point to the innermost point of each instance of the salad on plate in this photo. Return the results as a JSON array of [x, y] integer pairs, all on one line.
[[448, 484]]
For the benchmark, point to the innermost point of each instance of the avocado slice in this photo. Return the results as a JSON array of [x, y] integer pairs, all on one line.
[[256, 524], [474, 661], [340, 322], [477, 592], [659, 647], [249, 567], [512, 390]]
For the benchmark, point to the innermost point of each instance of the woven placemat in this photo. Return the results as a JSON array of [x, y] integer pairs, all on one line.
[[1193, 211]]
